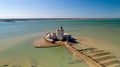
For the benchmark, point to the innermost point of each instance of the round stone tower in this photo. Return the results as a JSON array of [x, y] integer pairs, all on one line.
[[60, 33]]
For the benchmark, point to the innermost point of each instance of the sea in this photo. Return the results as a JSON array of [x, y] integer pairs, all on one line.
[[17, 49]]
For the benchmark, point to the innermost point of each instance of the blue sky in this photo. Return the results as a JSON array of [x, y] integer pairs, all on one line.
[[59, 8]]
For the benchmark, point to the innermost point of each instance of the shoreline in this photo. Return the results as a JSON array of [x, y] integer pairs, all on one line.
[[90, 42], [38, 19], [101, 45], [83, 51]]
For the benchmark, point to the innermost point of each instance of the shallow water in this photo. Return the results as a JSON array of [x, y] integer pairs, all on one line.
[[17, 49]]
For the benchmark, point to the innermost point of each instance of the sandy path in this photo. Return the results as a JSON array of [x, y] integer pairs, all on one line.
[[100, 45]]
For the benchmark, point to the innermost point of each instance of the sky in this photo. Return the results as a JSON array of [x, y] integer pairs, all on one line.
[[59, 8]]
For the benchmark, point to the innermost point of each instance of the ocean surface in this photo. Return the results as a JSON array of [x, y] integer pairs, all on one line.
[[16, 41]]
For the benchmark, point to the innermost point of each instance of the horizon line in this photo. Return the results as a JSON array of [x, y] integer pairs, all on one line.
[[59, 18]]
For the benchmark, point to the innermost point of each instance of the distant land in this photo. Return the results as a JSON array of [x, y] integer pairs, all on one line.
[[35, 19]]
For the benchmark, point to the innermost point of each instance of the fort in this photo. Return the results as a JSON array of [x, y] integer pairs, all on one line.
[[52, 39], [92, 56]]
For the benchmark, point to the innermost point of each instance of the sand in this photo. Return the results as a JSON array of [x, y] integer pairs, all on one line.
[[100, 45], [89, 42], [41, 43]]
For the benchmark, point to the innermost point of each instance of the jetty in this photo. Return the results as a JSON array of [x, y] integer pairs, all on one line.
[[92, 56]]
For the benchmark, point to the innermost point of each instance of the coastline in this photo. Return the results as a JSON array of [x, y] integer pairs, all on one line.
[[85, 41], [79, 51], [38, 19]]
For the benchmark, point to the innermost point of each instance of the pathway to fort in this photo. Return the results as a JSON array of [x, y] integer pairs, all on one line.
[[92, 56]]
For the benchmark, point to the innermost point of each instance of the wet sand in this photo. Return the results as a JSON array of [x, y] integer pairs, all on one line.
[[101, 54], [42, 43], [100, 45]]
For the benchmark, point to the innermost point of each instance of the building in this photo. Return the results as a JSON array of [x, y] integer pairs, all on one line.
[[58, 36], [60, 33]]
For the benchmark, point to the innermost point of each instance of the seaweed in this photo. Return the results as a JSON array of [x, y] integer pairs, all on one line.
[[75, 61], [34, 63]]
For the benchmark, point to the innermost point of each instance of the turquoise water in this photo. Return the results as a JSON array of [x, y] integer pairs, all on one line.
[[16, 41]]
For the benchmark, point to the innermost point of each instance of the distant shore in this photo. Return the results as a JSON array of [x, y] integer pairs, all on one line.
[[37, 19]]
